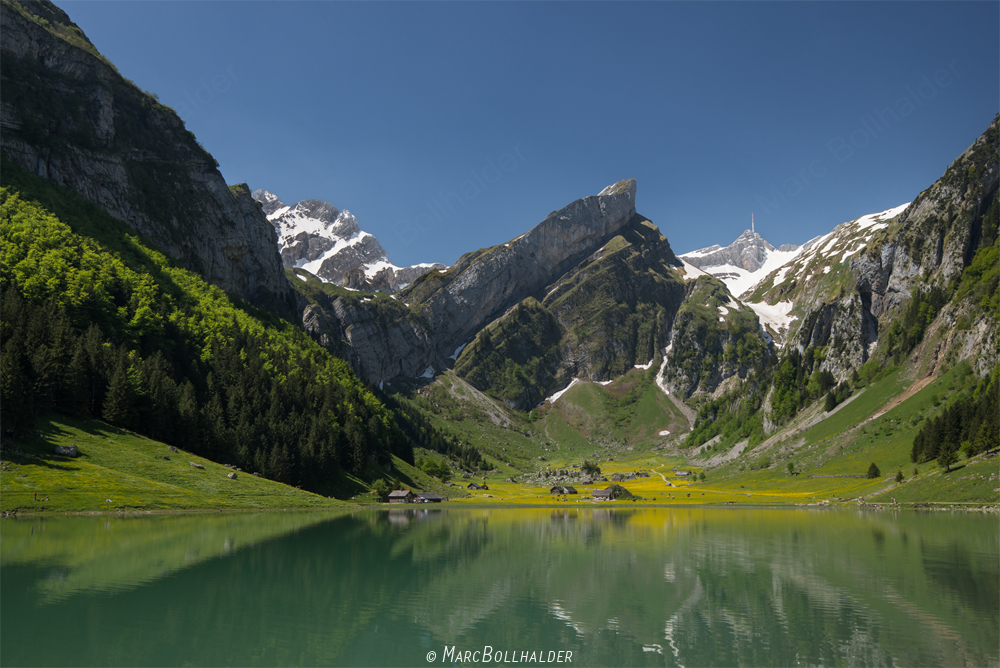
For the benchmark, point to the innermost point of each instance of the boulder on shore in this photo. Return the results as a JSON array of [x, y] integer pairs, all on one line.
[[67, 450], [196, 466]]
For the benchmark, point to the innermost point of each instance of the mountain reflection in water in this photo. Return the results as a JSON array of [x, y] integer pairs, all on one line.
[[686, 587]]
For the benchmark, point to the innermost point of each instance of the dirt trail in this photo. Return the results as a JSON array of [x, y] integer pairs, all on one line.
[[909, 392]]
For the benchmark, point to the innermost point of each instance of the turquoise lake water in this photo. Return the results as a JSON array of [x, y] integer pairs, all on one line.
[[603, 587]]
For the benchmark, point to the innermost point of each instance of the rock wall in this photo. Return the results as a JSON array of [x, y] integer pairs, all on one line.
[[68, 116], [930, 243], [443, 310]]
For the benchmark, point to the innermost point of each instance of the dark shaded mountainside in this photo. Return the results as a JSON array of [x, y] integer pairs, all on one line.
[[70, 117]]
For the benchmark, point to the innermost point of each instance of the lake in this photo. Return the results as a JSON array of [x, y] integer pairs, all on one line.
[[584, 587]]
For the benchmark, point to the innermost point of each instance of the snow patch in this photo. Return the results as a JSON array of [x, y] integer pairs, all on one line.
[[659, 374], [605, 382], [740, 281], [301, 277], [458, 351], [644, 366], [848, 254], [777, 315], [428, 372], [872, 219], [555, 397], [665, 432], [692, 272]]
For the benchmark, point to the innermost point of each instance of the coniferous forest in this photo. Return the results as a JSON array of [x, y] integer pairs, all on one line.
[[97, 323]]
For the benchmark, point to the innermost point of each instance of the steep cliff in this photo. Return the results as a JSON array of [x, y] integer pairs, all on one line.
[[444, 309], [69, 116]]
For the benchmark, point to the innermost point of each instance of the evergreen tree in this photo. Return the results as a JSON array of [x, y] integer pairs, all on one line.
[[947, 455], [121, 395]]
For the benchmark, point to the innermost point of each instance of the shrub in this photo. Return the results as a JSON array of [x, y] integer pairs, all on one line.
[[619, 492]]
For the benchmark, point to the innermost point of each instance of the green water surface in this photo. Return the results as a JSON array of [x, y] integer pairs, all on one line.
[[606, 587]]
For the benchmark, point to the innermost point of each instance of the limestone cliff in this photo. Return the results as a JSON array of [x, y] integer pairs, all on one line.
[[850, 286], [444, 309], [69, 116]]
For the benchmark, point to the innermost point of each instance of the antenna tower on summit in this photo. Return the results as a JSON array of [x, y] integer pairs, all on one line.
[[753, 231]]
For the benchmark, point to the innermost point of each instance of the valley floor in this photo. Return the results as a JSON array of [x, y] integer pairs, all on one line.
[[829, 453]]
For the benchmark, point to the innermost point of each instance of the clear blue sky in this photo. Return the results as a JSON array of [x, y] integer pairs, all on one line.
[[446, 127]]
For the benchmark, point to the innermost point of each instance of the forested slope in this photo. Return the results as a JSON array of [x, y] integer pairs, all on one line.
[[95, 321]]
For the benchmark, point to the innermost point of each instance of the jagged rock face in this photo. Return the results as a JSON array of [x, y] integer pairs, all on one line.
[[608, 313], [748, 251], [444, 309], [68, 116], [328, 242], [930, 243], [712, 340]]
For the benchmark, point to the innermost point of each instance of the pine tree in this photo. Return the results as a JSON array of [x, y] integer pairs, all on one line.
[[121, 395], [947, 455]]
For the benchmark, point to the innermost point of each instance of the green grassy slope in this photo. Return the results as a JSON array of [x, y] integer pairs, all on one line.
[[117, 469], [846, 442]]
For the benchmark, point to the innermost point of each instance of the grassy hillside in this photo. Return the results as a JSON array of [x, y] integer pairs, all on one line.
[[846, 442], [118, 470]]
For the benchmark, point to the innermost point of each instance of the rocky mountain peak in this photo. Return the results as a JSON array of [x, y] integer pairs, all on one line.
[[269, 202], [748, 252], [320, 210], [317, 236], [626, 187], [454, 304]]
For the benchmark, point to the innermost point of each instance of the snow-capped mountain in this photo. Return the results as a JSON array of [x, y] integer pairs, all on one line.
[[770, 280], [325, 241], [742, 263]]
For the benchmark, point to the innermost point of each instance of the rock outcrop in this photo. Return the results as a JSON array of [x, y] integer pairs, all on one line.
[[887, 259], [69, 116]]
